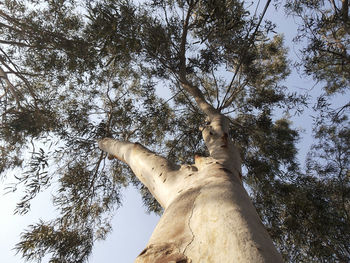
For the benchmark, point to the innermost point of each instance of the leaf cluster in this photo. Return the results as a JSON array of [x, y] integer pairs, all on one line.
[[325, 26]]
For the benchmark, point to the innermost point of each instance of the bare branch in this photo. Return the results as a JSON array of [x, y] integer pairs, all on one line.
[[340, 110]]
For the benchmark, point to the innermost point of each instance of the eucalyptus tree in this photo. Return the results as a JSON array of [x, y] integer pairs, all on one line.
[[75, 72]]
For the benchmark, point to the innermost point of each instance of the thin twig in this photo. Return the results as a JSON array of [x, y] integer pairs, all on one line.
[[251, 40]]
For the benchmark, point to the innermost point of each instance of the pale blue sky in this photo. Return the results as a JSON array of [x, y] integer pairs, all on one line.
[[132, 228]]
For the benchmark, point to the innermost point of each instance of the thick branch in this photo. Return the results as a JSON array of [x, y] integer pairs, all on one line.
[[215, 134], [220, 146], [153, 171], [195, 92]]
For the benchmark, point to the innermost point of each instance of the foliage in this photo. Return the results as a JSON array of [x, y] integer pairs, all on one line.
[[303, 207], [76, 71], [322, 197], [43, 238], [325, 26]]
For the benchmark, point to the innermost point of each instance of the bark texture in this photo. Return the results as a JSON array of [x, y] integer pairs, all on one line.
[[208, 215]]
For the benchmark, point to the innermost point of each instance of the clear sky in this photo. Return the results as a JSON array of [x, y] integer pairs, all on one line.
[[132, 227]]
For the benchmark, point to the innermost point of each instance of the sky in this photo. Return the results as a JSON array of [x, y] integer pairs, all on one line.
[[132, 226]]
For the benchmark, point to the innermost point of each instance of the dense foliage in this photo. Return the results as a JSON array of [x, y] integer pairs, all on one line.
[[72, 72], [324, 28]]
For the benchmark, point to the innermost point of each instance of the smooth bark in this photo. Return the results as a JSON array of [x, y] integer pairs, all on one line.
[[208, 215]]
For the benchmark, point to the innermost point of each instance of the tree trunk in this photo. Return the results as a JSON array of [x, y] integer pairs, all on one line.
[[209, 219], [208, 215]]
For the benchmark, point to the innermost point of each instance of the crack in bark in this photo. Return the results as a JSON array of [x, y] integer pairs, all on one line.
[[189, 223]]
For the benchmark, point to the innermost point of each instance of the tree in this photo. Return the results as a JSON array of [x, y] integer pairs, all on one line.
[[75, 72], [324, 27]]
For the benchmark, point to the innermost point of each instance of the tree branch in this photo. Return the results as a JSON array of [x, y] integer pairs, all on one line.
[[152, 170], [334, 6], [15, 43], [339, 110], [10, 87], [18, 74], [207, 108], [234, 94], [345, 10], [250, 41]]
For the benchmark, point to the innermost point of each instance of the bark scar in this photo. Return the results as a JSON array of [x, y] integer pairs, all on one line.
[[189, 223]]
